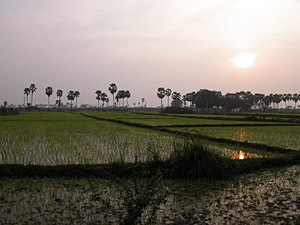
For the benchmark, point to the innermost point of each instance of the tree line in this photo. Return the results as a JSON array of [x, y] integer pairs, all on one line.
[[207, 99], [74, 95]]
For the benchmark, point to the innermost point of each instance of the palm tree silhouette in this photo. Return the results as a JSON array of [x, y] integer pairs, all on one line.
[[71, 97], [161, 93], [113, 89], [127, 95], [103, 97], [32, 88], [168, 93], [59, 94], [27, 92], [107, 101], [49, 92], [76, 95], [98, 93]]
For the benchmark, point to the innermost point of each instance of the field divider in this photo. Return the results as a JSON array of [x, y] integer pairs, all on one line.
[[223, 118], [228, 125], [295, 153]]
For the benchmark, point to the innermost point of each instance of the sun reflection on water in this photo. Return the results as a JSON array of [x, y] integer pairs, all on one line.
[[241, 155]]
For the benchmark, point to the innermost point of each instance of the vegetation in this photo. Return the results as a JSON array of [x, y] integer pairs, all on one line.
[[119, 169]]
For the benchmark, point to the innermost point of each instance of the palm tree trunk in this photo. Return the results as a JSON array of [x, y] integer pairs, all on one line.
[[31, 99], [161, 104], [48, 102], [113, 103]]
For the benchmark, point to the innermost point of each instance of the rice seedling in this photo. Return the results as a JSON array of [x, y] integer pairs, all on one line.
[[283, 136]]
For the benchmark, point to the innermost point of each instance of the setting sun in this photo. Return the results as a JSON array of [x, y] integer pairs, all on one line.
[[243, 60]]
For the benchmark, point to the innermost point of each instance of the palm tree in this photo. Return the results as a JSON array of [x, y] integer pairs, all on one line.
[[296, 99], [176, 99], [98, 97], [143, 100], [161, 93], [59, 94], [71, 97], [27, 92], [107, 101], [127, 95], [76, 95], [284, 98], [168, 93], [118, 97], [32, 88], [49, 92], [103, 97], [122, 95], [113, 89]]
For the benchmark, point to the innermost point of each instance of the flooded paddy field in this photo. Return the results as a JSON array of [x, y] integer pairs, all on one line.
[[180, 184]]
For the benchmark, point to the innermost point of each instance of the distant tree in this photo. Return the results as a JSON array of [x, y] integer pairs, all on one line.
[[143, 100], [168, 94], [284, 98], [98, 97], [176, 100], [117, 100], [296, 99], [76, 95], [103, 97], [32, 89], [71, 97], [107, 101], [5, 103], [26, 93], [161, 93], [113, 89], [127, 95], [49, 92], [59, 94]]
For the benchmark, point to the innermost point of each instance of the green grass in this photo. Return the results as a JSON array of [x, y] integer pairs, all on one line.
[[282, 136], [64, 138]]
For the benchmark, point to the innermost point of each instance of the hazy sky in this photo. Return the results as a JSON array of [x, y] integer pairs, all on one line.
[[185, 45]]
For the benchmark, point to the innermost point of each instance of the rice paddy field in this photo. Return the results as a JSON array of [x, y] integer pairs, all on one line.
[[264, 188]]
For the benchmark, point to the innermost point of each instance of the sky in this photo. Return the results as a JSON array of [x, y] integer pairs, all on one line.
[[185, 45]]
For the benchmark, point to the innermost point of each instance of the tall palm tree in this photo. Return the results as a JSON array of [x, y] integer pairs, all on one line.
[[103, 97], [27, 92], [127, 94], [32, 89], [107, 101], [113, 89], [143, 100], [76, 95], [161, 93], [98, 97], [49, 92], [118, 97], [168, 94], [122, 95], [284, 98], [296, 99], [71, 97], [59, 94]]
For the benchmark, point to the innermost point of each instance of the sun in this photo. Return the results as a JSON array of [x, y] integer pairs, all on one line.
[[243, 60]]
